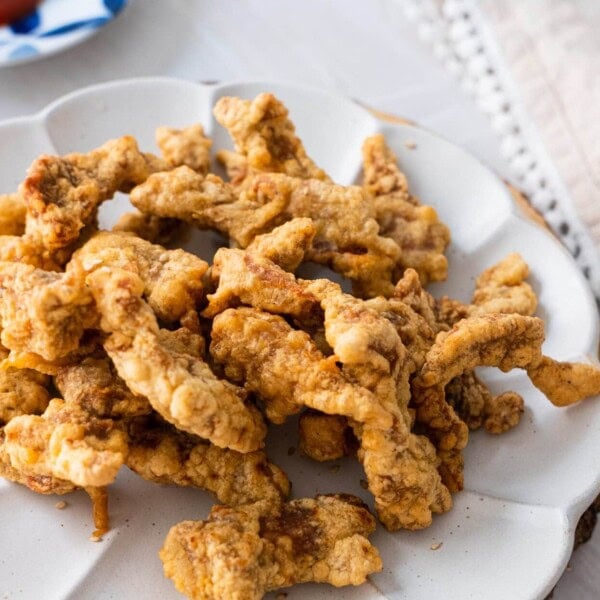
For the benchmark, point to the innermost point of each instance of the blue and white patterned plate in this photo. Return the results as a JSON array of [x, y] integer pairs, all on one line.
[[54, 26]]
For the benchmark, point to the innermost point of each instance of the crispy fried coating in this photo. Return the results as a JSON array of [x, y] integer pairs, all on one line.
[[22, 392], [36, 482], [503, 412], [172, 278], [502, 289], [151, 228], [94, 386], [476, 406], [236, 166], [209, 203], [325, 437], [42, 312], [286, 245], [188, 146], [241, 553], [401, 468], [347, 236], [66, 443], [283, 366], [565, 383], [181, 387], [23, 249], [158, 452], [496, 340], [265, 136], [12, 215], [247, 278], [416, 228], [62, 194], [503, 341]]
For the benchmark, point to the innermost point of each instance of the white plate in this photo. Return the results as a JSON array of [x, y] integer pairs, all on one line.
[[510, 533], [54, 26]]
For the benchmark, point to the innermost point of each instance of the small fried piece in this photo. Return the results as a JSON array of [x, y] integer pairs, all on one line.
[[247, 278], [188, 146], [94, 386], [181, 387], [22, 392], [209, 203], [502, 289], [12, 215], [236, 166], [263, 133], [286, 245], [151, 228], [416, 228], [284, 367], [62, 194], [172, 278], [565, 383], [36, 482], [476, 406], [247, 551], [42, 312], [325, 437], [158, 452], [66, 443]]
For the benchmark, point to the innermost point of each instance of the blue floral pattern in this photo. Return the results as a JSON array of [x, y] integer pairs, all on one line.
[[55, 25]]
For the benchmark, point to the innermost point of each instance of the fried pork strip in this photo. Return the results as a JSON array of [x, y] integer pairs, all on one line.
[[208, 203], [41, 312], [246, 278], [158, 452], [287, 244], [416, 228], [180, 387], [188, 146], [347, 236], [243, 553], [283, 366], [62, 193], [172, 278], [265, 136], [66, 443], [401, 467]]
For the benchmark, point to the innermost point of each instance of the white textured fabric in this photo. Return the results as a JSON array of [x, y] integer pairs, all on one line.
[[532, 68]]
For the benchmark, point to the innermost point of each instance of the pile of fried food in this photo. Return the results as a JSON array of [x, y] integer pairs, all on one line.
[[118, 351]]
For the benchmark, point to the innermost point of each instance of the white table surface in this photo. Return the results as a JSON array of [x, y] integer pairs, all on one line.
[[366, 50]]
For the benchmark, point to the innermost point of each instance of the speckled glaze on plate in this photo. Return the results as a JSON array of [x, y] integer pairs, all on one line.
[[510, 533], [54, 26]]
